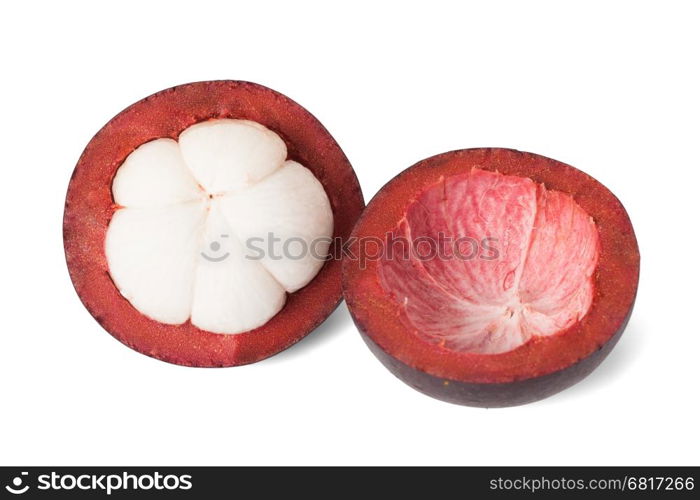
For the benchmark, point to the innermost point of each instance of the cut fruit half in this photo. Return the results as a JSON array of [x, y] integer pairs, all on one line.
[[503, 277], [201, 224]]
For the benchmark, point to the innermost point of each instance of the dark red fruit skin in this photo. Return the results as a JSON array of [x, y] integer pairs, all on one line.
[[494, 395], [535, 370], [90, 206]]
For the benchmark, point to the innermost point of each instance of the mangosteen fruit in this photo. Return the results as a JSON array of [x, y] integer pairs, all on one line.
[[200, 223], [492, 277]]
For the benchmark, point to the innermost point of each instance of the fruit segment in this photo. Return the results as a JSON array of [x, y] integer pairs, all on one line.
[[231, 293], [151, 257], [290, 227], [154, 175], [227, 155]]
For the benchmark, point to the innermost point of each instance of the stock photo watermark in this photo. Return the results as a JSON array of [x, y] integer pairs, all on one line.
[[442, 247]]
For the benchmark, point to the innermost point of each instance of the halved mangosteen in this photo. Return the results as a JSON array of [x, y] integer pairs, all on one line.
[[492, 277], [199, 223]]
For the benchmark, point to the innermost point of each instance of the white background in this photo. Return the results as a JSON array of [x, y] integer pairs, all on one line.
[[610, 87]]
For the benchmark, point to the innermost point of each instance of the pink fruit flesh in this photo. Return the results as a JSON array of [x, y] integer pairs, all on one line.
[[530, 276]]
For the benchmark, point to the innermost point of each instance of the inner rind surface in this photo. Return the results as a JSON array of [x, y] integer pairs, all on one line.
[[484, 262], [216, 227]]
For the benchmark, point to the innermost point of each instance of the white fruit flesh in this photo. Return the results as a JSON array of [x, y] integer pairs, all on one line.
[[532, 277], [216, 228]]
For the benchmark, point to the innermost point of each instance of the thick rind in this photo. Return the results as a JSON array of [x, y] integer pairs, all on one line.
[[542, 366], [494, 395], [89, 208]]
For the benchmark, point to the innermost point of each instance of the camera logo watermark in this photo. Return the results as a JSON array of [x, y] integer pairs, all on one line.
[[17, 486], [215, 247]]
